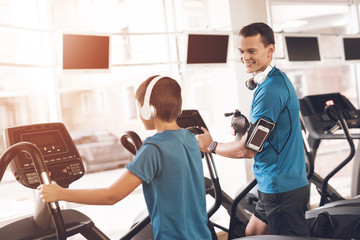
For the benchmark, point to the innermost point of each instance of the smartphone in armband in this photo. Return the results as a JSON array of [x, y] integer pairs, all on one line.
[[258, 133]]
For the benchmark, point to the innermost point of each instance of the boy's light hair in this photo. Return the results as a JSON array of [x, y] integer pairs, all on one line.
[[165, 97]]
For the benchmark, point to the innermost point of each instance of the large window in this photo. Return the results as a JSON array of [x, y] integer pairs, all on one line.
[[146, 38]]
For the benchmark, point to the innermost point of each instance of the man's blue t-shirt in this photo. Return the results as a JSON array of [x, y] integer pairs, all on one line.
[[170, 165], [280, 166]]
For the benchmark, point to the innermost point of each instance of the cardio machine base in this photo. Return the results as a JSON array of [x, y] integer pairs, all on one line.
[[75, 222], [335, 221]]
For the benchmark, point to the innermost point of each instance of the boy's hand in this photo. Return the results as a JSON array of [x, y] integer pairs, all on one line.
[[204, 140], [50, 192]]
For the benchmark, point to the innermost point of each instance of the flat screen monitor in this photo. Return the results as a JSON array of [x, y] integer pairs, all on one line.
[[351, 49], [302, 48], [85, 51], [207, 48]]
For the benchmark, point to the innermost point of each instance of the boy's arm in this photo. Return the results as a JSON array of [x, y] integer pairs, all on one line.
[[101, 196]]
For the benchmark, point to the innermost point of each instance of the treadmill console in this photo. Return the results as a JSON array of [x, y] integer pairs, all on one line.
[[60, 154], [312, 109], [190, 118]]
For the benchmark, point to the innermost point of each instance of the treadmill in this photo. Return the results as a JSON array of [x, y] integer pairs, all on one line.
[[324, 116], [35, 152]]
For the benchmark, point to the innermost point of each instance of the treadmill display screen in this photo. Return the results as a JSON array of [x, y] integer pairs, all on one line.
[[49, 142], [321, 101]]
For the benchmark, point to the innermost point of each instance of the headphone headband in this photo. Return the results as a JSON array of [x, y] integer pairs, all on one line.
[[261, 76], [147, 111]]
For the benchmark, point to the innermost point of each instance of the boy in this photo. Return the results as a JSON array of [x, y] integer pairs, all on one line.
[[168, 165]]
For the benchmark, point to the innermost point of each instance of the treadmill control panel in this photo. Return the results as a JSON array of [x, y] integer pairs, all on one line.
[[60, 154], [190, 118], [312, 109]]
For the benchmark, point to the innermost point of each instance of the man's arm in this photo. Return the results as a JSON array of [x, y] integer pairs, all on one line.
[[127, 183], [236, 149]]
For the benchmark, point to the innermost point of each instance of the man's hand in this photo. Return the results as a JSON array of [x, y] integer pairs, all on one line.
[[204, 140]]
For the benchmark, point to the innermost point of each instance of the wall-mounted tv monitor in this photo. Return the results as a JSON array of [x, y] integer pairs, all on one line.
[[85, 52], [302, 48], [207, 48], [351, 47]]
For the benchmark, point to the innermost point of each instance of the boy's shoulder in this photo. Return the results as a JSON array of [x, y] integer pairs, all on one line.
[[167, 136]]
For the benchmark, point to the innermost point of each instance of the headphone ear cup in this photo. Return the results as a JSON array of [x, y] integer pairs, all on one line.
[[148, 112], [251, 84]]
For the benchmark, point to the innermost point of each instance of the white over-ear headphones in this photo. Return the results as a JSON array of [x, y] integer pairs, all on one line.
[[260, 77], [147, 110]]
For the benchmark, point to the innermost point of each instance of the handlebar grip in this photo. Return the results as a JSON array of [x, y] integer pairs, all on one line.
[[334, 112], [28, 147], [135, 143], [195, 130]]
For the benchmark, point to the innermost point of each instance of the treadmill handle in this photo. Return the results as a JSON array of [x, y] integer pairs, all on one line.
[[43, 175]]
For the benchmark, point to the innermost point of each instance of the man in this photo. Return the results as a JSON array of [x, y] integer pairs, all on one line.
[[280, 166]]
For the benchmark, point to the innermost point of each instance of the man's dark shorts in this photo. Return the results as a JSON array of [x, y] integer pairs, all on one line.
[[284, 212]]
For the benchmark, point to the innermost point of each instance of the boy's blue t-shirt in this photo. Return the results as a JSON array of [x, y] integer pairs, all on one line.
[[170, 165], [280, 166]]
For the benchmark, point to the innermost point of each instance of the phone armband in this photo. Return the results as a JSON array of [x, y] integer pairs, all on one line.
[[258, 133]]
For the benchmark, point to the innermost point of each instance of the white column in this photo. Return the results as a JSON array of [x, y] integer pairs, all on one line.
[[244, 12]]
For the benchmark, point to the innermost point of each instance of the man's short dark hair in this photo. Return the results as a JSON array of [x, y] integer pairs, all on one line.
[[253, 29], [165, 97]]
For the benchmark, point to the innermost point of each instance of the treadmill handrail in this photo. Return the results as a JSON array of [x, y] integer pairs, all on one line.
[[236, 201], [308, 151], [349, 138], [13, 150], [216, 185], [135, 143], [43, 175]]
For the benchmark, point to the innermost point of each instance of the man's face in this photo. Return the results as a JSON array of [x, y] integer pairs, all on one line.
[[254, 55]]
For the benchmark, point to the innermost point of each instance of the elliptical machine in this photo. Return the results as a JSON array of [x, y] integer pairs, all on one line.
[[35, 152], [322, 116]]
